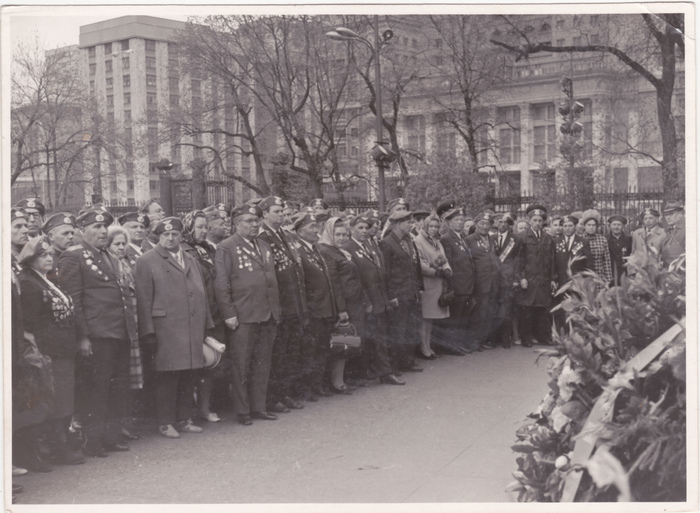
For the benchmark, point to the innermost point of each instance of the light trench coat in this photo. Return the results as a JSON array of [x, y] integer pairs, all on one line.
[[429, 250]]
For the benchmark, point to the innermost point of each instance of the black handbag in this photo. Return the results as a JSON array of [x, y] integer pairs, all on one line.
[[345, 342], [447, 295]]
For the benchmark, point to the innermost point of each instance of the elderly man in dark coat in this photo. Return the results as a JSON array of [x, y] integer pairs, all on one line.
[[506, 250], [173, 314], [673, 245], [536, 276], [59, 229], [248, 297], [620, 246], [105, 326]]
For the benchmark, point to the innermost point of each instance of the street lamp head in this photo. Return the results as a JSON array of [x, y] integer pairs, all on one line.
[[346, 32], [336, 37], [387, 35]]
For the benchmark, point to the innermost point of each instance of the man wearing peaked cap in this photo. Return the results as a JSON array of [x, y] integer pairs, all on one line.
[[59, 229], [284, 385], [673, 245], [105, 327], [620, 246], [248, 297], [506, 249], [35, 211], [135, 224], [319, 206], [646, 241], [446, 206]]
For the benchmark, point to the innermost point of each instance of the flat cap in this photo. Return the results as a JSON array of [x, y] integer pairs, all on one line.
[[59, 219], [168, 224], [32, 203], [134, 216]]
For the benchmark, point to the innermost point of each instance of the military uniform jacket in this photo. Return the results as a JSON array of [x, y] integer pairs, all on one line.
[[246, 282], [347, 283], [208, 273], [536, 265], [563, 255], [290, 273], [460, 258], [172, 305], [641, 240], [132, 254], [673, 245], [620, 250], [487, 272], [404, 277], [371, 268], [507, 254], [103, 307], [320, 292]]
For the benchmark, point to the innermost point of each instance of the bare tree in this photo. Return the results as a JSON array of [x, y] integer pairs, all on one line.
[[648, 44]]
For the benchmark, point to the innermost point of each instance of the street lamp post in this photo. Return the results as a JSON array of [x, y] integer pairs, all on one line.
[[166, 194], [382, 155]]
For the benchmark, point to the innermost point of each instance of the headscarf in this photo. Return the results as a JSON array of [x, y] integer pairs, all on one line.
[[424, 228], [203, 248], [327, 235]]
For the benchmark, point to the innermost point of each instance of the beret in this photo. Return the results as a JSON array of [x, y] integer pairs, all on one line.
[[396, 202], [294, 205], [17, 213], [537, 210], [569, 219], [246, 209], [33, 203], [269, 202], [397, 217], [453, 213], [319, 203], [59, 219], [33, 249], [622, 219], [94, 215], [361, 219], [672, 206], [217, 209], [485, 216], [168, 224], [302, 219], [372, 214], [135, 216], [510, 218]]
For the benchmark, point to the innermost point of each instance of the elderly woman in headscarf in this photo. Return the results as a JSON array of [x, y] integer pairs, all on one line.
[[602, 263], [347, 286], [194, 242], [435, 269]]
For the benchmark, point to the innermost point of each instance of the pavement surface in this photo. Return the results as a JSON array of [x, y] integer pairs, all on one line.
[[445, 437]]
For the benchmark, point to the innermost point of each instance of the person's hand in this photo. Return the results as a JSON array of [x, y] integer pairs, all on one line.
[[394, 303], [523, 283], [439, 273], [343, 316], [448, 272], [554, 286], [85, 348], [368, 309], [232, 323]]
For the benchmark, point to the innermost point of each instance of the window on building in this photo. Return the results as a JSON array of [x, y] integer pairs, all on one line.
[[173, 49], [92, 52], [108, 66], [175, 151], [127, 98], [130, 185], [92, 87], [649, 179], [127, 115], [355, 151], [92, 68], [620, 177], [174, 100], [125, 44], [508, 134], [153, 150], [151, 99], [153, 185], [342, 150], [197, 152], [561, 42], [482, 146], [544, 143], [108, 48], [110, 101], [150, 63], [353, 132], [196, 86], [595, 39], [560, 24], [174, 83], [150, 80], [127, 80], [153, 133], [113, 187], [110, 82], [150, 45], [110, 117], [126, 63], [577, 41]]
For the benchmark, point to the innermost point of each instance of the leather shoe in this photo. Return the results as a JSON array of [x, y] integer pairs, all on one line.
[[293, 403], [244, 419], [391, 379], [278, 407], [487, 345], [343, 390], [94, 450], [527, 344], [322, 392], [120, 447], [263, 415], [128, 435]]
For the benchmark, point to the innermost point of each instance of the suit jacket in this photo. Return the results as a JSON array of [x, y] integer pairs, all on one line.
[[580, 247], [641, 241], [487, 270], [103, 307], [404, 277], [673, 244], [320, 294], [507, 254], [620, 250], [172, 305], [372, 274], [536, 265], [290, 273], [460, 258], [246, 283]]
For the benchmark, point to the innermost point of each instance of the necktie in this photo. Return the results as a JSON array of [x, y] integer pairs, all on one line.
[[537, 234], [501, 241], [568, 243]]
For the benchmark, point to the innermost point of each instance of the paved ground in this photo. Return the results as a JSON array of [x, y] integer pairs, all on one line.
[[444, 437]]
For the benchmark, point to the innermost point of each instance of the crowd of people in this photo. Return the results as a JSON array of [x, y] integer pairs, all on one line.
[[155, 316]]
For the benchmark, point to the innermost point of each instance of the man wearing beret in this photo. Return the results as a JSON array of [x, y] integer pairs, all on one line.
[[404, 279], [155, 213], [105, 326], [218, 222], [462, 280], [536, 276], [284, 387], [60, 230], [673, 245], [487, 317], [321, 304], [370, 264], [620, 245], [646, 241], [173, 314], [320, 207], [506, 250], [248, 298], [35, 211], [135, 224]]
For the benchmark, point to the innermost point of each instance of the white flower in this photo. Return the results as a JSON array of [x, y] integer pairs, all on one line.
[[559, 420]]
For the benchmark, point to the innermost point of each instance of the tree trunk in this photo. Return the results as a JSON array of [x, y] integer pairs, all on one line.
[[199, 185]]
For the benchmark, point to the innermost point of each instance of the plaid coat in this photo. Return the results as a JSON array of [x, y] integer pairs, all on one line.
[[602, 263]]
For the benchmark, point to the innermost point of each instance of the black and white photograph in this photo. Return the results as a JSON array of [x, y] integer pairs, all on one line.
[[370, 257]]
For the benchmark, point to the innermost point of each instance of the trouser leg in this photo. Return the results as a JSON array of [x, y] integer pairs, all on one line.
[[260, 362]]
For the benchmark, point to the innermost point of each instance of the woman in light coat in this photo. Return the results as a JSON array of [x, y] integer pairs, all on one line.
[[435, 269]]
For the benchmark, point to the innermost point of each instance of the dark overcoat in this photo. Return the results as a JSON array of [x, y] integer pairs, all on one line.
[[320, 292], [404, 276], [487, 270], [507, 254], [172, 305], [620, 250], [372, 274], [460, 259], [536, 265], [580, 250], [347, 283]]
